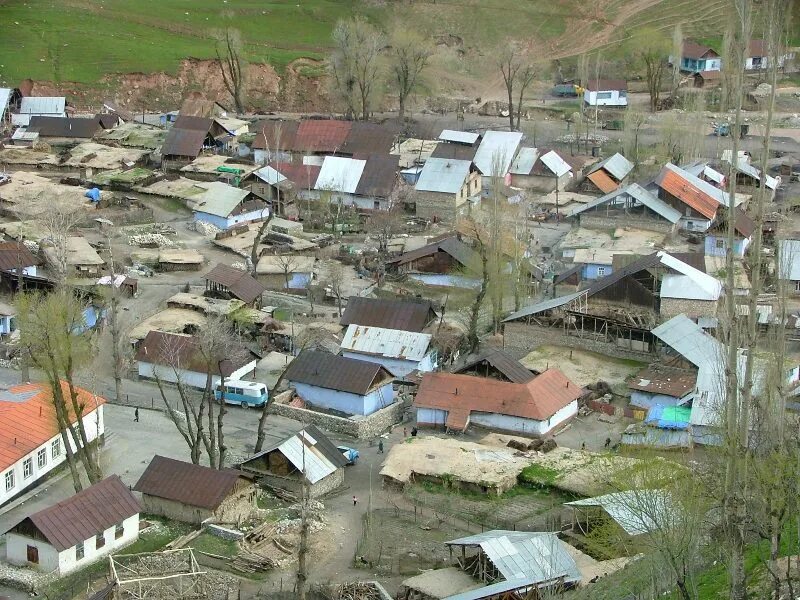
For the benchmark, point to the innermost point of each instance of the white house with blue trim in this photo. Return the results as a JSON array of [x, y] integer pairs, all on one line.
[[400, 352], [225, 206], [340, 384]]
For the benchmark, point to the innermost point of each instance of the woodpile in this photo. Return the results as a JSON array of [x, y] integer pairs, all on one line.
[[350, 591], [250, 562]]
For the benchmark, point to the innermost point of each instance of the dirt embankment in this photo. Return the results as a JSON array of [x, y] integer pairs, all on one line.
[[299, 89]]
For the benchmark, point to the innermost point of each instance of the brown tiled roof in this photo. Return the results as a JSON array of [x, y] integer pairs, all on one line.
[[183, 351], [66, 127], [325, 370], [85, 514], [538, 399], [280, 135], [193, 485], [379, 176], [511, 368], [240, 283], [454, 151], [193, 123], [672, 183], [692, 49], [321, 135], [662, 381], [602, 85], [14, 255], [183, 142], [408, 315], [757, 48], [451, 245], [368, 138]]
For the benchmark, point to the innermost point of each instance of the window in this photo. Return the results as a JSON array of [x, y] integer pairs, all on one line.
[[79, 551], [797, 286], [688, 211], [119, 531], [9, 481], [601, 271], [27, 468], [41, 457], [604, 95], [720, 244], [99, 540], [55, 449], [376, 205]]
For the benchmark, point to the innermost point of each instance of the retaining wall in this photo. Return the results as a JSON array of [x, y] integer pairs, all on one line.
[[359, 427]]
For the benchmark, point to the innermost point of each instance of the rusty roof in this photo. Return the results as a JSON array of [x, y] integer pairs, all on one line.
[[201, 107], [14, 255], [183, 351], [325, 370], [275, 135], [321, 135], [368, 138], [184, 142], [669, 382], [507, 365], [193, 485], [671, 182], [454, 151], [538, 399], [302, 176], [408, 315], [451, 245], [603, 181], [66, 127], [193, 123], [28, 418], [692, 49], [84, 515], [239, 283], [379, 176]]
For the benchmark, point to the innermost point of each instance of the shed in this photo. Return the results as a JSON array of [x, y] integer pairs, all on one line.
[[606, 92], [344, 385], [15, 255], [413, 314], [65, 127], [448, 262], [81, 259], [307, 457], [662, 386], [225, 206], [608, 174], [400, 352], [195, 494], [77, 531], [548, 171], [290, 272], [634, 205], [224, 280], [635, 511], [497, 364], [44, 106], [437, 584]]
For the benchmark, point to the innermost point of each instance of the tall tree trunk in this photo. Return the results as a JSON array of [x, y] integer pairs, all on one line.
[[401, 113], [211, 441], [262, 420], [472, 331], [222, 448], [510, 90]]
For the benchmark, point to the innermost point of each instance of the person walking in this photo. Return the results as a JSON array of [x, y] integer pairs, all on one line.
[[136, 415], [405, 433], [355, 500], [380, 446]]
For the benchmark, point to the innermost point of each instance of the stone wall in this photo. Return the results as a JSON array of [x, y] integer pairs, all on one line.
[[520, 339], [436, 204], [671, 307], [292, 484], [363, 428], [612, 222]]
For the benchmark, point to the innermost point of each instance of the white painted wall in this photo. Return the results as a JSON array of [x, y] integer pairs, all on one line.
[[433, 416], [694, 223], [65, 561], [345, 402], [190, 378], [617, 98], [396, 366], [92, 422]]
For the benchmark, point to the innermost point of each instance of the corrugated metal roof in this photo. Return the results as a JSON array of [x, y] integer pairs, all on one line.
[[5, 96], [744, 166], [443, 175], [408, 315], [491, 591], [269, 175], [219, 199], [689, 188], [454, 151], [542, 306], [789, 259], [64, 127], [523, 163], [452, 246], [389, 343], [540, 556], [86, 514], [641, 195], [14, 255], [193, 485], [368, 138], [603, 181], [459, 137], [321, 135], [339, 174], [636, 511], [192, 123], [497, 146], [183, 142], [299, 450], [691, 284], [379, 176], [43, 105], [328, 371], [616, 165], [557, 165], [689, 340], [713, 175]]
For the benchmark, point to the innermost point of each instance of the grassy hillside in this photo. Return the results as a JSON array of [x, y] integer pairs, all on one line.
[[82, 40]]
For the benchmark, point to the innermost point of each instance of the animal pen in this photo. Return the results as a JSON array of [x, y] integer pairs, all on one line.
[[158, 575]]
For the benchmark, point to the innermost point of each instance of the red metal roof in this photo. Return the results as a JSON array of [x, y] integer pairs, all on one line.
[[302, 176], [539, 399], [672, 183], [603, 181], [321, 135], [28, 418]]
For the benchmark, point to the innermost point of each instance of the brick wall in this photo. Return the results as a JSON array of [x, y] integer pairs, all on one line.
[[363, 428]]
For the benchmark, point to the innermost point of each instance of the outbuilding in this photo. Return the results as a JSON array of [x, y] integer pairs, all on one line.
[[444, 188], [400, 352], [224, 206], [606, 92]]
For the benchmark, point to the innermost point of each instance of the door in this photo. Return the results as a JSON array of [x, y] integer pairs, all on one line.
[[33, 555]]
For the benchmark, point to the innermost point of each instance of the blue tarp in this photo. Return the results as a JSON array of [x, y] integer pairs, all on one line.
[[669, 417], [93, 194]]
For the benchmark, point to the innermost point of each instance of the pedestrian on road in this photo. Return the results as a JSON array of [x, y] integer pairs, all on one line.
[[608, 442], [355, 500], [136, 415], [405, 433], [380, 446], [583, 445]]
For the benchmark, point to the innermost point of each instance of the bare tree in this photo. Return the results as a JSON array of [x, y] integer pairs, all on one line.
[[383, 225], [409, 55], [232, 64], [262, 230], [58, 221], [517, 75], [287, 263], [355, 64], [335, 283], [677, 53], [648, 50]]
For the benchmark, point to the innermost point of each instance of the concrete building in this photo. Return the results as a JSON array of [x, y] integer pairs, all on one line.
[[344, 385], [696, 58], [176, 358], [31, 446], [453, 402], [77, 531], [400, 352], [541, 170], [496, 152], [307, 457], [195, 494], [225, 206], [445, 187], [606, 92]]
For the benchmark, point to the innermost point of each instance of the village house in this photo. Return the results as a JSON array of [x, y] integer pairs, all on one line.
[[15, 255], [448, 262], [225, 206], [176, 358], [496, 152], [758, 56], [400, 352], [496, 364], [541, 170], [716, 240], [195, 494], [77, 531], [596, 263], [538, 407], [606, 92], [632, 205], [696, 58], [748, 176], [38, 106], [279, 184], [445, 188], [55, 130], [607, 175], [662, 385], [290, 272], [31, 445], [345, 385], [183, 145], [81, 260], [365, 184], [225, 282], [274, 142], [8, 319], [306, 458], [787, 262], [696, 199], [414, 314]]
